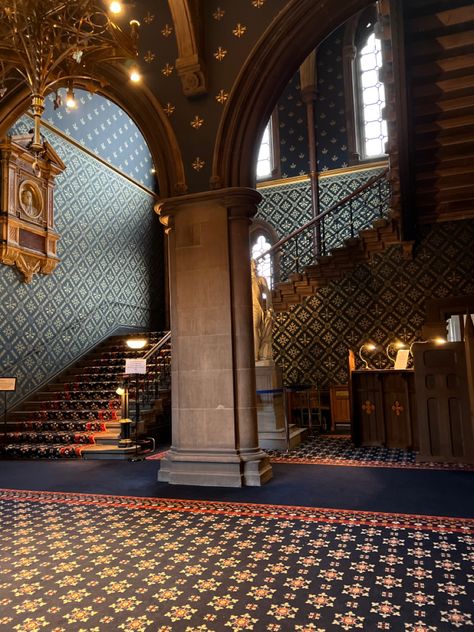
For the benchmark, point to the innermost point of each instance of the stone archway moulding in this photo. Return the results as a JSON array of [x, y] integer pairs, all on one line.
[[299, 28], [143, 108]]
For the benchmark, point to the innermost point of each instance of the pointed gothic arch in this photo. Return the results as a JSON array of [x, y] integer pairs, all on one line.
[[142, 107], [288, 40]]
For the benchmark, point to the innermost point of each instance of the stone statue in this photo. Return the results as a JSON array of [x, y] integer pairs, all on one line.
[[262, 316]]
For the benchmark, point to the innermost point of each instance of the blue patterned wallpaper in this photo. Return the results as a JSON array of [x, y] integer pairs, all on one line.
[[106, 130], [109, 275], [331, 132], [293, 131], [381, 300], [287, 206], [330, 118]]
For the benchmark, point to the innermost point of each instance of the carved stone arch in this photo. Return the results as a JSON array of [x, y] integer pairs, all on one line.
[[188, 29], [146, 112], [299, 28]]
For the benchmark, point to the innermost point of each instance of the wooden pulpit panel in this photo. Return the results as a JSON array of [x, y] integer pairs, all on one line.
[[443, 402]]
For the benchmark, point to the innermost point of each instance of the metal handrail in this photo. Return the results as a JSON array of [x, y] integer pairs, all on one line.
[[157, 346], [315, 220]]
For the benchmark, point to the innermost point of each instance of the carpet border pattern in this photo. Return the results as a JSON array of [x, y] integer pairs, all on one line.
[[270, 511]]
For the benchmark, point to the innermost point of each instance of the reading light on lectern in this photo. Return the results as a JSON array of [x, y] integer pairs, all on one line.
[[395, 345], [367, 346]]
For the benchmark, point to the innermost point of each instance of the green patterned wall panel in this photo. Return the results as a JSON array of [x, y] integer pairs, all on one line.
[[381, 300], [110, 273]]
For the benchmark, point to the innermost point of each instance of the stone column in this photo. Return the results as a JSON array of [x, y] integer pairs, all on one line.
[[215, 440]]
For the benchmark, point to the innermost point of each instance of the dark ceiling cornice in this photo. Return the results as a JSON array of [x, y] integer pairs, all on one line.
[[299, 28]]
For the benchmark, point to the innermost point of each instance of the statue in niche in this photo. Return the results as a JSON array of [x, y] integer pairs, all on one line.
[[262, 316]]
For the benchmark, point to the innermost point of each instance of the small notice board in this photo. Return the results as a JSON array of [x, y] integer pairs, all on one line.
[[134, 366], [7, 383]]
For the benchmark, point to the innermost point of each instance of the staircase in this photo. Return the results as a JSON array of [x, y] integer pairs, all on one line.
[[340, 261], [440, 67], [380, 232], [77, 415]]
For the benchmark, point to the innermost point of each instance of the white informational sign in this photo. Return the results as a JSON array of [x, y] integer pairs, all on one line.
[[401, 360], [135, 366], [7, 383]]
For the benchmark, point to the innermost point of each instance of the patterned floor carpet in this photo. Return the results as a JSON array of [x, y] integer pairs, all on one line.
[[339, 450], [91, 562]]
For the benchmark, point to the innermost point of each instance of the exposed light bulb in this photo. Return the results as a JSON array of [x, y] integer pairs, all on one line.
[[115, 7], [136, 343], [70, 99], [135, 75]]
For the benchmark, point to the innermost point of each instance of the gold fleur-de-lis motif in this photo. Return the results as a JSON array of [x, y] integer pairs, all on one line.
[[220, 53], [167, 70], [197, 122], [169, 109], [149, 57], [239, 30], [218, 14], [166, 30], [368, 407], [198, 164], [397, 408], [222, 96], [149, 17], [258, 3]]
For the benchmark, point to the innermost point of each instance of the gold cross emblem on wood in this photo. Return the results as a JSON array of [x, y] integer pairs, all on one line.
[[397, 408], [368, 407]]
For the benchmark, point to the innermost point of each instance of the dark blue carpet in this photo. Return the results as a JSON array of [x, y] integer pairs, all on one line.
[[426, 492]]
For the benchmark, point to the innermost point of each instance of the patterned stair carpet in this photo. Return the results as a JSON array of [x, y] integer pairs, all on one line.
[[90, 562], [70, 412], [50, 440], [339, 450]]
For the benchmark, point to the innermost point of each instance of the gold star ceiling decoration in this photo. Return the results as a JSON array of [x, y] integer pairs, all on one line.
[[220, 53], [167, 70], [239, 30], [198, 164], [222, 96], [197, 122]]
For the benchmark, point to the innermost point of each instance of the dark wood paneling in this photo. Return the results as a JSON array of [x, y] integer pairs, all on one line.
[[383, 408], [32, 241]]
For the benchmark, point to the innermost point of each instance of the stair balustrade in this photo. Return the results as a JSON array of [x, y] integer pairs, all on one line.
[[331, 229], [157, 378]]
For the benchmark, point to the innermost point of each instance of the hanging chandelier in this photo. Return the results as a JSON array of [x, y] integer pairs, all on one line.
[[49, 44]]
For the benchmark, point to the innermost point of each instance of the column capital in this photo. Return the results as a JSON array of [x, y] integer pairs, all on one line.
[[231, 198]]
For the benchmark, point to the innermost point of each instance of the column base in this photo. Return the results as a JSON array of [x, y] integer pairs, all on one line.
[[215, 469]]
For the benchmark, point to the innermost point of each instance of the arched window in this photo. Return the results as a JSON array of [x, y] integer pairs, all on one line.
[[264, 265], [264, 160], [371, 96], [364, 92], [268, 155]]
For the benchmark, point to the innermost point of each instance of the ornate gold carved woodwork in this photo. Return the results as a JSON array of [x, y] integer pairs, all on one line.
[[189, 65], [28, 238]]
